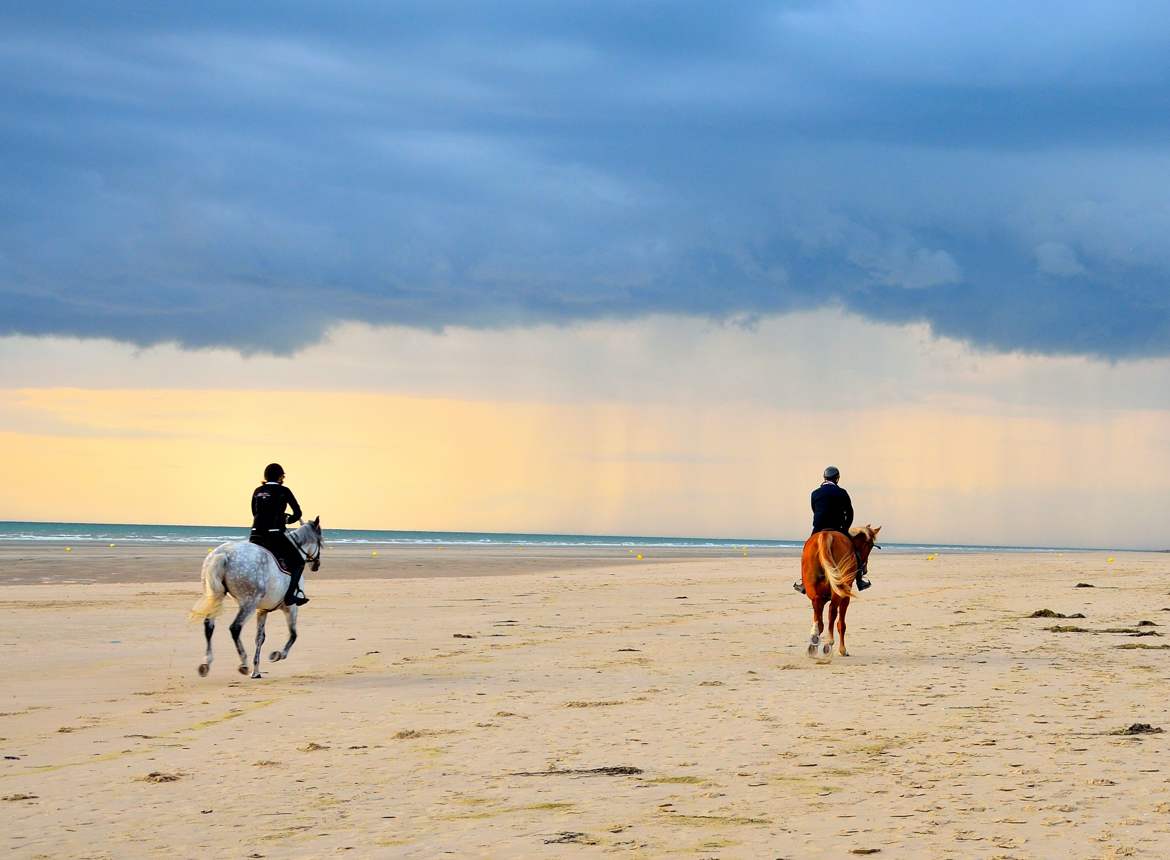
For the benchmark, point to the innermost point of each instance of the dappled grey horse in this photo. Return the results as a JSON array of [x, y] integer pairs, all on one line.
[[250, 574]]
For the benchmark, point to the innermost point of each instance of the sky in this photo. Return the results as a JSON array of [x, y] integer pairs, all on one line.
[[632, 267]]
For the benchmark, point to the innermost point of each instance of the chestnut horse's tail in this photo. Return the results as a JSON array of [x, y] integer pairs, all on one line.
[[839, 573]]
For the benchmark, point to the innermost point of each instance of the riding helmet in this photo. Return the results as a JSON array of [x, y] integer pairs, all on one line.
[[273, 472]]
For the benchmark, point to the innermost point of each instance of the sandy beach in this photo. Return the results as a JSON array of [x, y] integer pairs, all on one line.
[[588, 704]]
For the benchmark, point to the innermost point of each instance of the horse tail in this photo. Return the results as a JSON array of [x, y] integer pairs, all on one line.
[[841, 575], [214, 588]]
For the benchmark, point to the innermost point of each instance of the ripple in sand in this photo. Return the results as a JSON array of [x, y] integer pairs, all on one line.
[[709, 820], [569, 837], [411, 734], [611, 770], [1139, 729]]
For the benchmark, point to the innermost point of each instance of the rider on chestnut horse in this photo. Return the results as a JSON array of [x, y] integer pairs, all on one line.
[[833, 511]]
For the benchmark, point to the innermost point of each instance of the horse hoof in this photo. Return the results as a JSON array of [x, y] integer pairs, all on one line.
[[203, 670], [275, 656], [843, 653], [243, 670], [255, 674], [825, 652], [814, 639]]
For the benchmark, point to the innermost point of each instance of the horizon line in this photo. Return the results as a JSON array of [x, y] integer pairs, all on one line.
[[647, 537]]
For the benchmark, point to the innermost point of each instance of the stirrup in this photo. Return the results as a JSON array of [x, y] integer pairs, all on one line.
[[798, 587], [862, 584]]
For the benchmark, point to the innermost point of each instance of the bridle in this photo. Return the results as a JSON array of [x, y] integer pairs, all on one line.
[[314, 560], [864, 565]]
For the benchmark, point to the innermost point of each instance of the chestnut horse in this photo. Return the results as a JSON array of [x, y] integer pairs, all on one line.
[[828, 567]]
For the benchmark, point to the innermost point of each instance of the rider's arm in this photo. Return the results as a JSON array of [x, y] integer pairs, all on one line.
[[296, 509], [848, 510]]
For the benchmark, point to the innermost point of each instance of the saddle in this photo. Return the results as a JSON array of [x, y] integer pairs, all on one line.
[[280, 562]]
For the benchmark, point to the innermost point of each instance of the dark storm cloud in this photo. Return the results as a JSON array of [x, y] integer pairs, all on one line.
[[246, 175]]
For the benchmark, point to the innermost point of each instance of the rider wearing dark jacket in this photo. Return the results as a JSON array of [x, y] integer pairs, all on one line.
[[833, 512], [269, 520], [832, 509]]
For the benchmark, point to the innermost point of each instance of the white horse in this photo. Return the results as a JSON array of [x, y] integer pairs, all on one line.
[[250, 574]]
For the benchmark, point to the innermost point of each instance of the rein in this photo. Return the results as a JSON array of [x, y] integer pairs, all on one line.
[[315, 560]]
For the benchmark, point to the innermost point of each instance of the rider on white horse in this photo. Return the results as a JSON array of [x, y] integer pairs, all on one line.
[[268, 528]]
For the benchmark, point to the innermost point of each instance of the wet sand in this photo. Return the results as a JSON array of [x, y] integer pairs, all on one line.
[[597, 706], [47, 563]]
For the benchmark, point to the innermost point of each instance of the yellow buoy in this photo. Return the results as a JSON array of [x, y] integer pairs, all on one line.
[[68, 549], [209, 552], [113, 545], [1109, 560], [374, 554], [639, 556]]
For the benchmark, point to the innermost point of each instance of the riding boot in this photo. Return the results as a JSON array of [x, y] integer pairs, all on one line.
[[798, 587], [861, 582], [291, 596]]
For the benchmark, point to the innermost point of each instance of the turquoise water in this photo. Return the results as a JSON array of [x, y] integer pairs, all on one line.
[[214, 535]]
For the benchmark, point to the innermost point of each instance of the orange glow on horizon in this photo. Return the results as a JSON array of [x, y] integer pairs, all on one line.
[[397, 462]]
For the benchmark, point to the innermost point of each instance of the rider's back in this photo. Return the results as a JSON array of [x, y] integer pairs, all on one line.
[[832, 508], [269, 501]]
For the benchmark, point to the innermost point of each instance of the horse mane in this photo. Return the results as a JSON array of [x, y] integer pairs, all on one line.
[[867, 531], [307, 529]]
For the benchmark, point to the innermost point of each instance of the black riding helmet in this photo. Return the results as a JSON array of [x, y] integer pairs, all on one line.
[[273, 472]]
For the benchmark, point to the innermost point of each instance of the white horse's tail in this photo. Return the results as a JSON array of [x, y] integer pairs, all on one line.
[[214, 589], [840, 575]]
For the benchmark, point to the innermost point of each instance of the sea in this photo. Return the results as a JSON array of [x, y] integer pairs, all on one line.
[[145, 534]]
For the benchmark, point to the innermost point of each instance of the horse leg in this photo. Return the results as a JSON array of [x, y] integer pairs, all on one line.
[[841, 629], [818, 610], [290, 614], [208, 629], [814, 636], [237, 627], [832, 621], [261, 617]]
